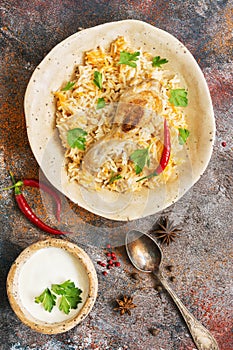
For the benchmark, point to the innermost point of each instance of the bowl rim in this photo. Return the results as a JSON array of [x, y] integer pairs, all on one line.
[[13, 295]]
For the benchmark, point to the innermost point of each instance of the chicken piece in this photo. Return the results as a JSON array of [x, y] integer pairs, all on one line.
[[135, 106]]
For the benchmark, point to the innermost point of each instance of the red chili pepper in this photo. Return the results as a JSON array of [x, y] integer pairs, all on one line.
[[166, 149], [165, 155], [45, 188], [27, 211]]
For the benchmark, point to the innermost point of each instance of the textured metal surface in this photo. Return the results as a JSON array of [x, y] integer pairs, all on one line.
[[201, 256]]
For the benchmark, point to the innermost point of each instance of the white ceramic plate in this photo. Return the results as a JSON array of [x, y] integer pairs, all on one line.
[[57, 68]]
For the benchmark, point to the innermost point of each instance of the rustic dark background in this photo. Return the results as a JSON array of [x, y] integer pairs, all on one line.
[[201, 256]]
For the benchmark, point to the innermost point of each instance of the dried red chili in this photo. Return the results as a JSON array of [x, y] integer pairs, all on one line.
[[165, 154], [27, 211], [49, 190]]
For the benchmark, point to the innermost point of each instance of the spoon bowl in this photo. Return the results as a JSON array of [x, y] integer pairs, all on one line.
[[146, 255]]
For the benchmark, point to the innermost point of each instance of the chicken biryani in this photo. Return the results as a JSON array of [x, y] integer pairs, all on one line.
[[121, 120]]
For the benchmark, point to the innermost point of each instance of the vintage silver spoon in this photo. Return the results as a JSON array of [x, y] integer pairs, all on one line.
[[146, 256]]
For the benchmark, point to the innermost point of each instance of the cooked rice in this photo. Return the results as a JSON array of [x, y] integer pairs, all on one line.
[[76, 108]]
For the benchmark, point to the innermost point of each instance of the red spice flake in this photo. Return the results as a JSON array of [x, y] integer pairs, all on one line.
[[117, 264], [104, 273], [103, 264], [99, 262], [108, 246], [110, 262], [224, 143], [108, 255]]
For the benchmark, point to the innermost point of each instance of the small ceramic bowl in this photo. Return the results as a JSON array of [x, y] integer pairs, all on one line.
[[52, 261]]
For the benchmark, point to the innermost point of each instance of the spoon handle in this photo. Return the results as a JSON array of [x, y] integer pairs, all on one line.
[[201, 336]]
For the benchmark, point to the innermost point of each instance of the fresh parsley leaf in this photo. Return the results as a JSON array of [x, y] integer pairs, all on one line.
[[100, 103], [70, 295], [140, 157], [98, 79], [47, 299], [64, 305], [76, 138], [114, 177], [157, 61], [129, 58], [183, 135], [68, 86], [178, 97], [61, 288]]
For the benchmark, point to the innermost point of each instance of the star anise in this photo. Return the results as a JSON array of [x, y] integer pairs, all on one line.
[[167, 231], [125, 304]]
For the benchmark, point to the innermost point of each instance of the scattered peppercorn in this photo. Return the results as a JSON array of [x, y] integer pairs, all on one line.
[[159, 288], [135, 276], [154, 331], [172, 278], [111, 260], [169, 268]]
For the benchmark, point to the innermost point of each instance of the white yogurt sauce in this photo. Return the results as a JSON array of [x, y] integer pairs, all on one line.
[[45, 267]]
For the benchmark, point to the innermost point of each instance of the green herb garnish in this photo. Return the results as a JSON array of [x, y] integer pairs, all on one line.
[[179, 97], [70, 297], [76, 138], [68, 86], [47, 299], [140, 157], [157, 61], [183, 135], [129, 58], [100, 103], [148, 176], [98, 79], [114, 177]]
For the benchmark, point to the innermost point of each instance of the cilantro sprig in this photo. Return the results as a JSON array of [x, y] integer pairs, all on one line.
[[68, 86], [98, 79], [47, 299], [114, 177], [178, 97], [183, 135], [100, 103], [69, 297], [140, 157], [129, 58], [77, 138], [157, 61]]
